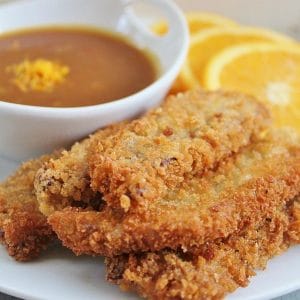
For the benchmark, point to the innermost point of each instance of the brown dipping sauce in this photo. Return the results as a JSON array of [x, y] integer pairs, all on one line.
[[102, 66]]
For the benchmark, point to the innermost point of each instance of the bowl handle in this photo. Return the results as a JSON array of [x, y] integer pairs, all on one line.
[[177, 25]]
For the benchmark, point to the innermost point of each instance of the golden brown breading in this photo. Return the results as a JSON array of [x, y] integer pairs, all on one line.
[[242, 190], [294, 229], [65, 181], [23, 229], [219, 268], [188, 135]]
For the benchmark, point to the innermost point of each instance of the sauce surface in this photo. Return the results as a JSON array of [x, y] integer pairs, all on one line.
[[77, 67]]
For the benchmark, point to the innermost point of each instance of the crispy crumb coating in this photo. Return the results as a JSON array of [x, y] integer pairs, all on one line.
[[23, 229], [188, 135], [241, 190], [294, 228], [218, 269], [65, 181]]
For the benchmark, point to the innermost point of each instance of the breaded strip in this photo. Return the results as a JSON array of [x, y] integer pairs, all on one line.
[[294, 228], [23, 229], [219, 268], [242, 190], [65, 181], [188, 135]]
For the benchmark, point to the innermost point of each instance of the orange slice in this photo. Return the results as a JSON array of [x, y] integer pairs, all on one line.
[[269, 72], [206, 44], [197, 21]]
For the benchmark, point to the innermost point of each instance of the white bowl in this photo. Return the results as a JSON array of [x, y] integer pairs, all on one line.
[[27, 131]]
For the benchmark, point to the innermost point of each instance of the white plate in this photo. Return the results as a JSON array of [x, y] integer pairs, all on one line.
[[58, 274]]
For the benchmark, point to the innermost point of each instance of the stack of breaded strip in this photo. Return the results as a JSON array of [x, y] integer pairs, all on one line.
[[185, 202]]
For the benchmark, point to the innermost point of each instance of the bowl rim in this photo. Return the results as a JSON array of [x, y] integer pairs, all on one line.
[[78, 110]]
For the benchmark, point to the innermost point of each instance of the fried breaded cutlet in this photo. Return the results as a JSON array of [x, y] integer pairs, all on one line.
[[242, 190], [23, 229], [294, 228], [65, 181], [219, 268], [189, 134]]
